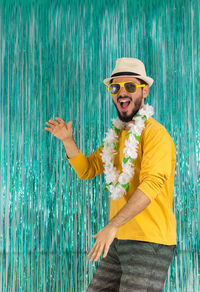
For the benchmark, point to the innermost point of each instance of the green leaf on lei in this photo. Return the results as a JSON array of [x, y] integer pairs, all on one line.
[[137, 115], [116, 184], [126, 187], [116, 129], [125, 159], [145, 117], [136, 137], [128, 133], [134, 162], [102, 145], [115, 145], [105, 189]]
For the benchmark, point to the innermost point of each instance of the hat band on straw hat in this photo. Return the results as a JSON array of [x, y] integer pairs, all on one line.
[[125, 73], [132, 67]]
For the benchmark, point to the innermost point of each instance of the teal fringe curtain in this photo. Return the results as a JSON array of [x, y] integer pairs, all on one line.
[[54, 56]]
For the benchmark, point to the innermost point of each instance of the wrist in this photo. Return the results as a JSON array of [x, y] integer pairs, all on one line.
[[68, 140], [112, 225]]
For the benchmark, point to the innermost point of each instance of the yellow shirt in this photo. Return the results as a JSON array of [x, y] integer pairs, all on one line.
[[154, 175]]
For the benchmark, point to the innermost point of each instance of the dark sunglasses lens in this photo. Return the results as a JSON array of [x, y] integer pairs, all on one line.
[[130, 87], [114, 88]]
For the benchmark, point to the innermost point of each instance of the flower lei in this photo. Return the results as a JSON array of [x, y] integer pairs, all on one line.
[[118, 183]]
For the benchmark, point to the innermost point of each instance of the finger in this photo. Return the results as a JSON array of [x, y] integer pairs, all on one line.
[[98, 254], [92, 250], [106, 251], [49, 124], [94, 255], [48, 129], [53, 122], [60, 120], [97, 246], [69, 125]]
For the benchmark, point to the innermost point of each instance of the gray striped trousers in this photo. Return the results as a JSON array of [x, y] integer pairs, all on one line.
[[133, 266]]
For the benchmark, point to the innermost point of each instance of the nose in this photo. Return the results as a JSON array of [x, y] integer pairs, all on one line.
[[122, 90]]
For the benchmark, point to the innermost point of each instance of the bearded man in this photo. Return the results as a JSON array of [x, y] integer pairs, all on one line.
[[138, 159]]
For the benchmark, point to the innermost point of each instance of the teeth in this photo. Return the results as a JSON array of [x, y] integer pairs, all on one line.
[[124, 100]]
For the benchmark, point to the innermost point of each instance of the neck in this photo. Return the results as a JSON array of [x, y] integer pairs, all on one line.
[[128, 124], [132, 122]]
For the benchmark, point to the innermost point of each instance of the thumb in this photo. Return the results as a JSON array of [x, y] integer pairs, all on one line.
[[95, 235], [70, 124]]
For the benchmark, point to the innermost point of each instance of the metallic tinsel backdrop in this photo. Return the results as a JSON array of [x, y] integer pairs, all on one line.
[[54, 56]]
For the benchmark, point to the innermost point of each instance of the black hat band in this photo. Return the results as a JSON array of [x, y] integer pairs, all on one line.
[[125, 73]]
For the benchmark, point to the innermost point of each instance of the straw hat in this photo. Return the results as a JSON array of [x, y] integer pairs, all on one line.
[[129, 67]]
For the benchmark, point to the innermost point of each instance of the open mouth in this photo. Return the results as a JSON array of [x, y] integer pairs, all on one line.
[[124, 104]]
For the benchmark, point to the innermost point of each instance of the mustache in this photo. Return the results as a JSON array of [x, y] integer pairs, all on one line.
[[125, 96]]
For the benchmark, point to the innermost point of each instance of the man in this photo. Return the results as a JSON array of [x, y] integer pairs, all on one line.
[[138, 159]]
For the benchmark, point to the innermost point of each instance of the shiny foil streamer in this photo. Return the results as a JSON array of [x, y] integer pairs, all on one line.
[[54, 56]]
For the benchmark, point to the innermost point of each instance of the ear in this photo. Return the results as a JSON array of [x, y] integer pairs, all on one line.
[[146, 91]]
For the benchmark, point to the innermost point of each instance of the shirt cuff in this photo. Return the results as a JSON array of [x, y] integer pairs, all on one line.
[[75, 157], [147, 190], [79, 162]]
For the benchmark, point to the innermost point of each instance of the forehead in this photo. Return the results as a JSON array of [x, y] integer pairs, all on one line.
[[125, 78]]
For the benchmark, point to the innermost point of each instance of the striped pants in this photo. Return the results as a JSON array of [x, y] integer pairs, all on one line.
[[133, 266]]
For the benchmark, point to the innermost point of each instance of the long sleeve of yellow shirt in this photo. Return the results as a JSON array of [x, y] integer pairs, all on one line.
[[154, 176]]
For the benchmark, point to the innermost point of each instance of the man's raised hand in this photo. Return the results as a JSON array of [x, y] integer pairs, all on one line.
[[60, 129]]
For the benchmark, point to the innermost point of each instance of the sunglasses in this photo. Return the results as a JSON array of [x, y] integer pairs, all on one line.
[[129, 87]]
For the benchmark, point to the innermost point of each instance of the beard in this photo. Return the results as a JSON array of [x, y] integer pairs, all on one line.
[[124, 117]]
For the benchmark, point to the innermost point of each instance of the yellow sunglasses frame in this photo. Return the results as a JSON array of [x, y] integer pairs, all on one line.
[[122, 85]]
